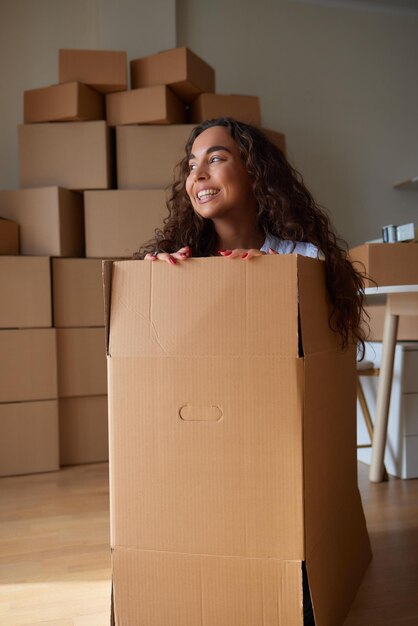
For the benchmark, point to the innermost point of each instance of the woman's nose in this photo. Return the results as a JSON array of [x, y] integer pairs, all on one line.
[[200, 172]]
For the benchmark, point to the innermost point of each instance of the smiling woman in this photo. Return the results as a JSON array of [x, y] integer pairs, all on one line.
[[237, 196]]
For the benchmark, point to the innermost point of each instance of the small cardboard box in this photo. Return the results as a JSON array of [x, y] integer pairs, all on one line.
[[25, 292], [387, 263], [63, 103], [232, 445], [83, 430], [50, 220], [151, 105], [180, 69], [28, 365], [104, 70], [278, 139], [77, 292], [9, 237], [29, 437], [407, 326], [208, 106], [81, 362], [147, 155], [76, 156], [117, 222]]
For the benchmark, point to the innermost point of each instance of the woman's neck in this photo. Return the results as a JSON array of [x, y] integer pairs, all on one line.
[[245, 236]]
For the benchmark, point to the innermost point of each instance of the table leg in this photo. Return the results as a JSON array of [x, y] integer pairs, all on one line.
[[383, 396]]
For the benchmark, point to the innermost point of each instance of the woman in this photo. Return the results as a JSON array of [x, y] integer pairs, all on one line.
[[238, 197]]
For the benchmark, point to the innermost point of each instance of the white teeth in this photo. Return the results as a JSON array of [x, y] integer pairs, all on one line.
[[207, 192]]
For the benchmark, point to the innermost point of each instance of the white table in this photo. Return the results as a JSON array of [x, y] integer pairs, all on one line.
[[400, 300]]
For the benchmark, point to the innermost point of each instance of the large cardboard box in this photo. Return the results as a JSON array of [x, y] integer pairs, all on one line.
[[104, 70], [232, 413], [76, 156], [28, 365], [81, 359], [182, 70], [50, 220], [59, 103], [77, 292], [387, 263], [151, 105], [147, 155], [9, 237], [29, 437], [25, 292], [208, 106], [83, 430], [117, 222]]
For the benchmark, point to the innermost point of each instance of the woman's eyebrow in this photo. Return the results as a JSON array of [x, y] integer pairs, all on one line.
[[212, 149]]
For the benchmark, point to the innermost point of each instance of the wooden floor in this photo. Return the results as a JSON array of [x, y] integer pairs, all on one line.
[[55, 563]]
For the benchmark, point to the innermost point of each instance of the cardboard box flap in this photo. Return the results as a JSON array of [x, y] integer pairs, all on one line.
[[212, 289], [107, 269]]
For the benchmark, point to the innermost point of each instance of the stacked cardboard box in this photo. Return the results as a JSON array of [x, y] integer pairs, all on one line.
[[28, 368]]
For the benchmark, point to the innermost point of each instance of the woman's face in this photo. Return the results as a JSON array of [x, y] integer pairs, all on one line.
[[218, 183]]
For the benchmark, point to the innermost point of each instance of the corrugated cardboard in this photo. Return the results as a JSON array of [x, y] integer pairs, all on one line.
[[278, 139], [151, 105], [60, 103], [407, 325], [208, 106], [232, 445], [104, 70], [9, 237], [387, 263], [77, 292], [118, 222], [81, 362], [50, 220], [146, 155], [29, 438], [28, 365], [75, 156], [83, 430], [25, 292], [180, 69]]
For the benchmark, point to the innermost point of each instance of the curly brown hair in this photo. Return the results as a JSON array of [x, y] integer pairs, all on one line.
[[285, 208]]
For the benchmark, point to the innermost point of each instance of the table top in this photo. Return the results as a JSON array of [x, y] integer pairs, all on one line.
[[385, 289]]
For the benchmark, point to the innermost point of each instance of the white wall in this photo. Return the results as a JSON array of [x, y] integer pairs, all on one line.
[[32, 31], [340, 82]]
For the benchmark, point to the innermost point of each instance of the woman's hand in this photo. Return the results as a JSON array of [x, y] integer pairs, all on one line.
[[173, 257], [241, 253]]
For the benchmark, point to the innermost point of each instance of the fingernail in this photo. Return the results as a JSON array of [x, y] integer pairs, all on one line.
[[221, 251], [172, 261], [244, 256], [227, 252]]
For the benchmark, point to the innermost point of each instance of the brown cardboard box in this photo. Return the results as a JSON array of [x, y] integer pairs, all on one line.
[[180, 69], [50, 220], [29, 437], [208, 106], [25, 292], [387, 263], [60, 103], [146, 155], [232, 445], [9, 237], [76, 156], [151, 105], [407, 326], [28, 365], [118, 222], [77, 292], [81, 362], [278, 139], [83, 430], [104, 70]]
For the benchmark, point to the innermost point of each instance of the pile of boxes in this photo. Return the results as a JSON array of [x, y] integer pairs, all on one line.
[[95, 159]]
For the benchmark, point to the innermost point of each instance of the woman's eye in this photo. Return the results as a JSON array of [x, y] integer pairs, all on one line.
[[192, 166], [214, 159]]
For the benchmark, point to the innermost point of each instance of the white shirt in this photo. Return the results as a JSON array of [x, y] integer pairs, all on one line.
[[283, 246]]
